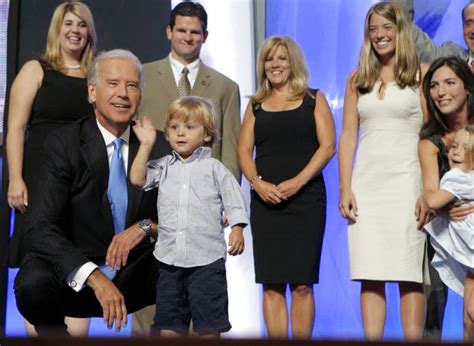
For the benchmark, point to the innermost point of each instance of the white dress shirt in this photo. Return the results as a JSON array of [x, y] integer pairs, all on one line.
[[177, 68], [78, 277]]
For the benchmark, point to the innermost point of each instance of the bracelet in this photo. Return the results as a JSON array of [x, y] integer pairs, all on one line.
[[254, 179]]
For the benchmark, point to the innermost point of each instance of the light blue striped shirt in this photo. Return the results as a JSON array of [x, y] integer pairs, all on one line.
[[192, 195]]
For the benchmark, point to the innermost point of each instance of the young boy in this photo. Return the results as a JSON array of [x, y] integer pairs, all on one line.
[[194, 190]]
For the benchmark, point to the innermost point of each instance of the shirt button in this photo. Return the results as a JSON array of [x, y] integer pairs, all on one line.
[[184, 186]]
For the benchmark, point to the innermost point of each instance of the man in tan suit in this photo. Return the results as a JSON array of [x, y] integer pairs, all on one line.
[[187, 31], [166, 81]]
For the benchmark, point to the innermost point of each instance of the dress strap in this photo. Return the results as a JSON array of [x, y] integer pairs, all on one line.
[[438, 142], [256, 107], [311, 97]]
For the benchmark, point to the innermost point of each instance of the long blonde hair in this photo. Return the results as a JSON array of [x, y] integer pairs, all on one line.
[[52, 56], [470, 147], [299, 74], [407, 66]]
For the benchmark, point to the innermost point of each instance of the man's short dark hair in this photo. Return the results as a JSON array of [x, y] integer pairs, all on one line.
[[465, 8], [189, 9]]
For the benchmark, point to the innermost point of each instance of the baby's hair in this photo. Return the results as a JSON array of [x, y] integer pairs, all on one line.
[[470, 146], [194, 108]]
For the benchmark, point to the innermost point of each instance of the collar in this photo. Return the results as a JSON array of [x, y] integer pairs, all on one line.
[[177, 67], [109, 138], [197, 155]]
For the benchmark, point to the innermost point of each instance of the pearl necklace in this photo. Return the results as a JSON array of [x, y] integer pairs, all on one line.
[[73, 67]]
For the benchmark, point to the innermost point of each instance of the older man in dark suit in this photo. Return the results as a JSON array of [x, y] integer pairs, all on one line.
[[89, 230]]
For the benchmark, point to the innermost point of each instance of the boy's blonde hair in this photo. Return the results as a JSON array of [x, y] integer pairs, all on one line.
[[194, 108], [470, 146]]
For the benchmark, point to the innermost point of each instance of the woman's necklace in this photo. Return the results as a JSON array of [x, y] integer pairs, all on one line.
[[73, 67]]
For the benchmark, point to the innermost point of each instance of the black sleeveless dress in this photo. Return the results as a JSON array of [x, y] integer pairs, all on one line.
[[437, 292], [60, 100], [287, 237]]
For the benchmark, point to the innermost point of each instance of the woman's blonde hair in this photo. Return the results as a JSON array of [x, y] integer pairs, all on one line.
[[407, 66], [194, 108], [52, 56], [299, 75], [470, 147]]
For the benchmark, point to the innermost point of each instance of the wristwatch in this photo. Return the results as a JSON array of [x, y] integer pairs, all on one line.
[[145, 225]]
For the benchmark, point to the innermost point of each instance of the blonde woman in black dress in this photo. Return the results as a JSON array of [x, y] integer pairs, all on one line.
[[47, 93], [292, 130]]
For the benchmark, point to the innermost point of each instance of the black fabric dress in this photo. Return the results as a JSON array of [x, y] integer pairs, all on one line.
[[437, 292], [60, 100], [287, 238]]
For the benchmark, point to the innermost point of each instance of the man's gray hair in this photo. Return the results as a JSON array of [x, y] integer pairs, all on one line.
[[124, 54]]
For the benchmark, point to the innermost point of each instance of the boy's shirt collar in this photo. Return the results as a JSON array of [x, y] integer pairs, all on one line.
[[198, 154]]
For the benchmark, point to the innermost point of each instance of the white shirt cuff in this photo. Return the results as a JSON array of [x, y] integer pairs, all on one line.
[[77, 278]]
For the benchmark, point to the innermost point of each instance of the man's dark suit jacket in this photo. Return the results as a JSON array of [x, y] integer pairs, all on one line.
[[71, 220]]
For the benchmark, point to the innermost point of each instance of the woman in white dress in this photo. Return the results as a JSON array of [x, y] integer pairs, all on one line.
[[453, 241], [379, 195]]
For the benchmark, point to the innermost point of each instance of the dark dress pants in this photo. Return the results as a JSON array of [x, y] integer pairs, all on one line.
[[44, 298]]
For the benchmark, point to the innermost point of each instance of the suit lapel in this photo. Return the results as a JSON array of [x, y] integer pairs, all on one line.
[[165, 77], [203, 80], [94, 153], [134, 194]]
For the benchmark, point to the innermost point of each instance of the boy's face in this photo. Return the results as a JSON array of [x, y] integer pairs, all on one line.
[[185, 137], [457, 152]]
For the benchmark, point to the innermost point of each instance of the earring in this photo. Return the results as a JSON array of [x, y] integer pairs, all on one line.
[[267, 84]]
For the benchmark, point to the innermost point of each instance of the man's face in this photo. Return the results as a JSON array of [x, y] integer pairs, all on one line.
[[468, 27], [186, 38], [116, 95]]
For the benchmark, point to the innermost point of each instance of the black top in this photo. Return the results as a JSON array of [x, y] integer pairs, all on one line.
[[443, 162], [287, 237], [59, 101]]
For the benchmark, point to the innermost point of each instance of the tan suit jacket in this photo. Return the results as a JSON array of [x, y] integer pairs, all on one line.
[[161, 90]]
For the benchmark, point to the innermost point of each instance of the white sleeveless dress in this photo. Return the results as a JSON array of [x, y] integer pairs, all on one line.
[[384, 243]]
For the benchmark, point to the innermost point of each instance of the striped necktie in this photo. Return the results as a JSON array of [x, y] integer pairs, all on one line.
[[184, 88]]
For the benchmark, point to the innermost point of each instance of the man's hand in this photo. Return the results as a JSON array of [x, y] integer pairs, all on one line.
[[236, 241], [110, 298], [122, 243]]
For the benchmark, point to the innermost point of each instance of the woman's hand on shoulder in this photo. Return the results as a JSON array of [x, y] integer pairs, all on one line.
[[268, 192], [348, 205]]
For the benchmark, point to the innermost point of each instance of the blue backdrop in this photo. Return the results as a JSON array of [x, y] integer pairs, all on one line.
[[330, 32]]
